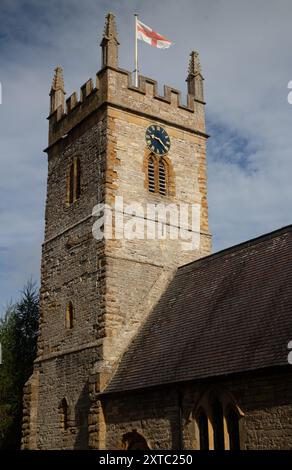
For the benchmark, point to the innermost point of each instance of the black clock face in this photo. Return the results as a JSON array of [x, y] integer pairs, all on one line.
[[157, 139]]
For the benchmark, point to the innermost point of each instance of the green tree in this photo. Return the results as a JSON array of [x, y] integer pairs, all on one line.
[[18, 336], [7, 388]]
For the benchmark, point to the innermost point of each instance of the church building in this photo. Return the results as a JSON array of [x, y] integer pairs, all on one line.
[[144, 344]]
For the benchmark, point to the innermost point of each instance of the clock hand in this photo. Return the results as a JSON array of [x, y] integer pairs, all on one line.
[[159, 140], [163, 145]]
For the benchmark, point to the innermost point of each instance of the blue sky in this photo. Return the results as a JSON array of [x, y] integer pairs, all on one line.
[[245, 50]]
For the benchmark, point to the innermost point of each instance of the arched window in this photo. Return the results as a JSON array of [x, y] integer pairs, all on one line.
[[64, 414], [215, 423], [134, 441], [202, 421], [71, 184], [77, 178], [232, 420], [74, 181], [69, 316], [218, 427], [151, 175], [157, 175]]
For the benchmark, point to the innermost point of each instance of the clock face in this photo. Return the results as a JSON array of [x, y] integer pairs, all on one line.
[[157, 139]]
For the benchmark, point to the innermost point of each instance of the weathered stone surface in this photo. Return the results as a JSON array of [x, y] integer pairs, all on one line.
[[264, 398], [112, 284]]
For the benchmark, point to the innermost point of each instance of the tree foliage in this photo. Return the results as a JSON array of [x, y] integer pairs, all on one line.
[[18, 337]]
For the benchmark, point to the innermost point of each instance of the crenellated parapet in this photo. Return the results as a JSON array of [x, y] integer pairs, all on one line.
[[114, 87], [77, 107]]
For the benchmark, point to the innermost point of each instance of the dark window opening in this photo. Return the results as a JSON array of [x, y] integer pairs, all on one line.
[[232, 419], [64, 414], [71, 184], [217, 415], [69, 316], [203, 430], [77, 179]]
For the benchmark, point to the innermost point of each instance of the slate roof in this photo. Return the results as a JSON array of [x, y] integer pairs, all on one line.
[[226, 313]]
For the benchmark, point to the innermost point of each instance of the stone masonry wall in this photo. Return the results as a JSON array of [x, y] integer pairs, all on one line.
[[264, 397], [72, 260], [73, 269], [146, 266], [113, 285], [65, 376]]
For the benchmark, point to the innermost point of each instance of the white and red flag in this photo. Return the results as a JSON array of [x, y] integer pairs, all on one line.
[[144, 33]]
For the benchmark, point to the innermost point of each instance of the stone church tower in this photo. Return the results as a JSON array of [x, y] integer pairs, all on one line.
[[95, 294]]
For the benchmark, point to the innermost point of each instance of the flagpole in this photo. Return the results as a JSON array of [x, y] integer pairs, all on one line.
[[136, 53]]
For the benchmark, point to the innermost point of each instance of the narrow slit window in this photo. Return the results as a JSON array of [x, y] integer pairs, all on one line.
[[69, 316], [64, 414], [74, 181], [71, 184], [77, 178]]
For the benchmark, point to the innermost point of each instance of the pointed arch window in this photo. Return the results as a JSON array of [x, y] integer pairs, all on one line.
[[69, 316], [71, 184], [77, 171], [74, 181], [157, 175], [64, 414], [217, 421]]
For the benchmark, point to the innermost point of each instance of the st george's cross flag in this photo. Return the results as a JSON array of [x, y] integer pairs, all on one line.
[[144, 33]]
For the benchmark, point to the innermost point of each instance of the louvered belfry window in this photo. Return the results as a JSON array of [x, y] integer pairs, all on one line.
[[151, 175], [157, 175], [161, 178]]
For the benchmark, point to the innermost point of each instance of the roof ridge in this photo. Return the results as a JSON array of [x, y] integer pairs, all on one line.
[[239, 246]]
